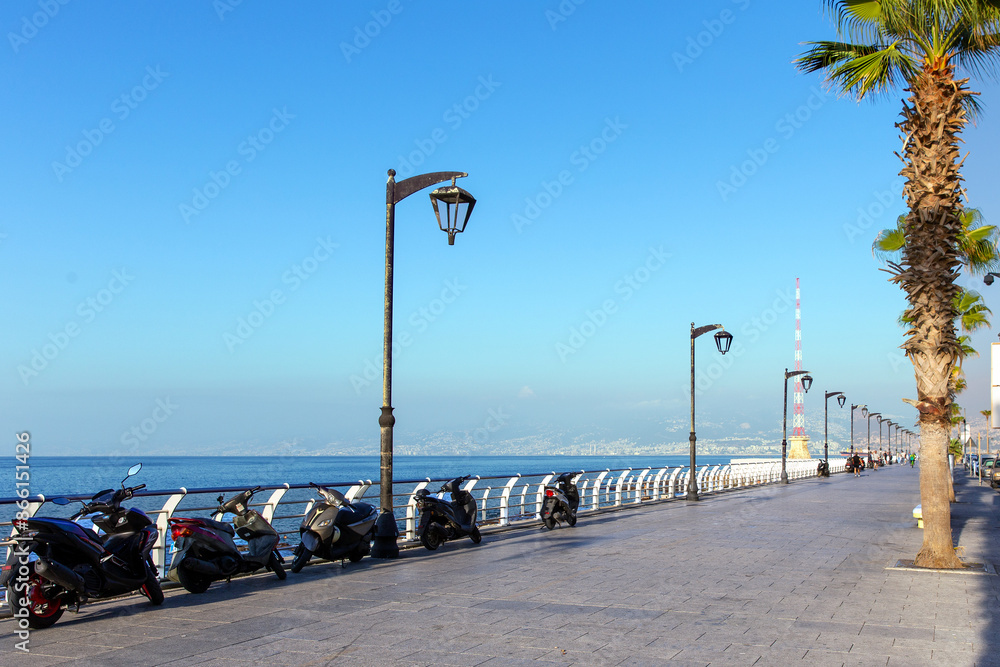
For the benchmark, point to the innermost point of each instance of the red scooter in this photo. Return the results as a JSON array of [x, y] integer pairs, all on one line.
[[205, 550]]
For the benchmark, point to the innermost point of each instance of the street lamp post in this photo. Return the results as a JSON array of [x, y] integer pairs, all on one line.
[[880, 420], [806, 383], [723, 339], [458, 205], [869, 441], [864, 411], [826, 414]]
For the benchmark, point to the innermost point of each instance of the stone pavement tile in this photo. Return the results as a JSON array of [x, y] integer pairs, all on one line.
[[830, 641], [959, 634], [627, 614], [759, 636], [502, 618], [495, 647], [429, 657], [825, 658], [741, 652], [31, 659], [930, 644], [782, 657], [897, 631], [512, 605], [869, 645], [517, 662], [61, 650], [535, 637], [573, 610], [151, 654]]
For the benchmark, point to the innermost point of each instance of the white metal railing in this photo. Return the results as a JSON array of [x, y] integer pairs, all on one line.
[[504, 501]]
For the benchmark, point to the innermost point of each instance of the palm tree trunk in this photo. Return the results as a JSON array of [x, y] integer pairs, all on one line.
[[932, 119]]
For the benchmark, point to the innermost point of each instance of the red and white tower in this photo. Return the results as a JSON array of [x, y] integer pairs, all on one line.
[[799, 441]]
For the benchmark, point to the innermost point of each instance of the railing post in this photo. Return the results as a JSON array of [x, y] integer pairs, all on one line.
[[598, 483], [358, 490], [159, 552], [672, 486], [638, 485], [272, 503], [618, 489], [505, 500]]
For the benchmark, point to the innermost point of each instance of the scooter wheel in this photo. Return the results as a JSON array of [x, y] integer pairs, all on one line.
[[274, 565], [475, 535], [357, 553], [549, 521], [571, 520], [302, 556], [151, 589], [192, 581], [430, 539], [41, 612]]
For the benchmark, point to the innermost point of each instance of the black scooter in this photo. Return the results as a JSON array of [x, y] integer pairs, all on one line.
[[74, 564], [441, 520], [205, 550], [334, 529], [561, 502]]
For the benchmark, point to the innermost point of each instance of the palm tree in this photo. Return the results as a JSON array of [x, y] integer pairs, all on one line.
[[977, 243], [917, 45]]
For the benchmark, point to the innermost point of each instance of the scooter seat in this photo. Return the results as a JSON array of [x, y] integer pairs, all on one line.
[[363, 508], [219, 525]]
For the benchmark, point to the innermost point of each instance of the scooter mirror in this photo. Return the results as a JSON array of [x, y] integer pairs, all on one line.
[[61, 501], [134, 469]]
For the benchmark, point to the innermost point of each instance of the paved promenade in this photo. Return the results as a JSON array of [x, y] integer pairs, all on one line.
[[771, 576]]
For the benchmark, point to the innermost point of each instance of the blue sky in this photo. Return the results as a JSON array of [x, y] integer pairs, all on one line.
[[171, 171]]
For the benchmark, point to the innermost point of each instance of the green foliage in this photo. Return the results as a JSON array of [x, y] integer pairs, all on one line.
[[887, 42], [955, 447]]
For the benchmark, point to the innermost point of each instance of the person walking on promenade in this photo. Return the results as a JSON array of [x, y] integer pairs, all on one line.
[[913, 458], [856, 464]]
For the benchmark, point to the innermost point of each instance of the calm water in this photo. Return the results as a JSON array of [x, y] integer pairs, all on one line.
[[55, 476]]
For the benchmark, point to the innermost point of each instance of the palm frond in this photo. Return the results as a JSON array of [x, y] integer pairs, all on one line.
[[859, 70]]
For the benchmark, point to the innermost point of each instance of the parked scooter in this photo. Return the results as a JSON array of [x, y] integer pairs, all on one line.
[[441, 520], [562, 499], [335, 529], [73, 564], [205, 550]]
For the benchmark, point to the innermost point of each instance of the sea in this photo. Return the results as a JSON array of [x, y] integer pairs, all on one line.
[[72, 475], [206, 477]]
